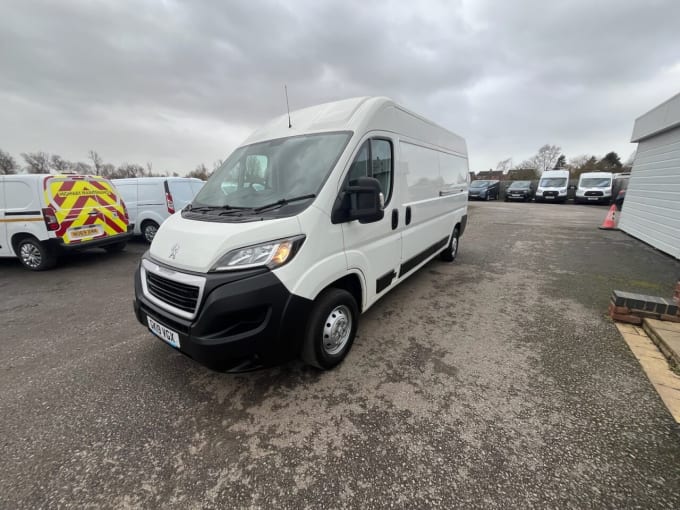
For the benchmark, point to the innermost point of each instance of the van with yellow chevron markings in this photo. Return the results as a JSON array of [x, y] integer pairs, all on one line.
[[42, 216]]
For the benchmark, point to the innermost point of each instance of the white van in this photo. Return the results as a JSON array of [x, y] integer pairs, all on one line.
[[552, 187], [594, 187], [151, 200], [302, 229], [42, 215]]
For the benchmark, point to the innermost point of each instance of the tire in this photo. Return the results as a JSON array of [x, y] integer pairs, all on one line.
[[116, 247], [34, 255], [487, 198], [149, 229], [449, 254], [334, 314]]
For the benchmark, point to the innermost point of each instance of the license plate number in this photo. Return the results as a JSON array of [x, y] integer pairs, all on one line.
[[80, 233], [550, 198], [165, 334], [592, 198]]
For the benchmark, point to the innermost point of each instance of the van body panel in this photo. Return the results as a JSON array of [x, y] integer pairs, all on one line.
[[198, 245], [425, 188]]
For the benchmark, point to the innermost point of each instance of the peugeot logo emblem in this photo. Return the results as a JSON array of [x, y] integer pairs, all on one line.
[[174, 250]]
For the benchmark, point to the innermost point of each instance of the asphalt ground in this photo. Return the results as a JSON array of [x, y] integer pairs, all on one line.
[[497, 381]]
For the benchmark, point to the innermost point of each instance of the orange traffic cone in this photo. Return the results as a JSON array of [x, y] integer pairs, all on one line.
[[610, 221]]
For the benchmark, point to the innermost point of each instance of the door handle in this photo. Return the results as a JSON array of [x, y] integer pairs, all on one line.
[[395, 218], [408, 214]]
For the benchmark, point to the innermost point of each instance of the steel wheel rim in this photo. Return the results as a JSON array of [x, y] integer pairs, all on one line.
[[150, 232], [336, 330], [454, 246], [30, 255]]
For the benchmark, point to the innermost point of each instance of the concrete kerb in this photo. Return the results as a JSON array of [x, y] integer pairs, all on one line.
[[666, 335]]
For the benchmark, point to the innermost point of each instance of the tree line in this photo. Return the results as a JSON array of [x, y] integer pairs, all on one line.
[[550, 157], [44, 163]]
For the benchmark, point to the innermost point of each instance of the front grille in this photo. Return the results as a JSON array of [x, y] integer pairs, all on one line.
[[550, 193], [594, 194], [179, 295]]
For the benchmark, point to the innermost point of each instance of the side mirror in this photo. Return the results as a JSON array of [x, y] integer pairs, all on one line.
[[364, 202]]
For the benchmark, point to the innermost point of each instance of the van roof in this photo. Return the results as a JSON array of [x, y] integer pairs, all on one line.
[[40, 177], [596, 174], [359, 114]]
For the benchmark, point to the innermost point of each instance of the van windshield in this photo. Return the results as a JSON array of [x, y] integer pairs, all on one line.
[[596, 182], [264, 173], [553, 182], [520, 185]]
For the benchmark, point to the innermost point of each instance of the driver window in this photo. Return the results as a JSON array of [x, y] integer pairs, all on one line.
[[374, 160]]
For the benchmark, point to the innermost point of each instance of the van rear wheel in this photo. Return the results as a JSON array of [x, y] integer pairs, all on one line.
[[34, 255], [331, 329], [149, 229], [450, 252]]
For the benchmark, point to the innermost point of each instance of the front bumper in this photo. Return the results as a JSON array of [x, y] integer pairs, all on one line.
[[592, 200], [245, 319]]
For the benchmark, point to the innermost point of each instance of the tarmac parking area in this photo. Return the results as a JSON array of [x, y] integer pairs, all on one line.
[[495, 381]]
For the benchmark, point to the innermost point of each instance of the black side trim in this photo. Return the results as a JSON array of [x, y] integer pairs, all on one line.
[[414, 261], [384, 281], [463, 224], [23, 213]]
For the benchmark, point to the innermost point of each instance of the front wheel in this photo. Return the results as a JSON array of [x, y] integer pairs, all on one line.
[[450, 252], [34, 255], [331, 329]]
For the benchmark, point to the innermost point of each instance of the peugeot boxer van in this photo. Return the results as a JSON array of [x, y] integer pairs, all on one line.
[[594, 187], [552, 187], [151, 200], [304, 227], [42, 216]]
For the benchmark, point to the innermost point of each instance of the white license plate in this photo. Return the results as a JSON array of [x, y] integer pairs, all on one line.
[[550, 198], [83, 232], [163, 333], [592, 198]]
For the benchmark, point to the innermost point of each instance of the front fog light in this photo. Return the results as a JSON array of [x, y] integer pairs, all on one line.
[[272, 255]]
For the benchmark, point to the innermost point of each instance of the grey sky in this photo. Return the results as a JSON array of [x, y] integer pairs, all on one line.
[[181, 83]]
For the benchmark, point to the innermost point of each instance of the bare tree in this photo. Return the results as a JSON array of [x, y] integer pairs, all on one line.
[[96, 161], [37, 162], [81, 168], [201, 172], [7, 163], [546, 157], [504, 165], [108, 170], [58, 164]]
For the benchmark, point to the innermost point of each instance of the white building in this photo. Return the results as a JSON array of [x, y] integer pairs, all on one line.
[[651, 211]]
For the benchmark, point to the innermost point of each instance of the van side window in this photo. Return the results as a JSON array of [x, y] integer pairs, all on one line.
[[374, 160]]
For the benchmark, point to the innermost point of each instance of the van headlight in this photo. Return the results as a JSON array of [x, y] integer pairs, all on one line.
[[272, 254]]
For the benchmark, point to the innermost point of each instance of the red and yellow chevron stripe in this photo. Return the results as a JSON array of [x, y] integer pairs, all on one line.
[[87, 207]]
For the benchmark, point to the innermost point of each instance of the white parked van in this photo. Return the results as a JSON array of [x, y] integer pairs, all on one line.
[[594, 187], [151, 200], [552, 187], [302, 229], [44, 215]]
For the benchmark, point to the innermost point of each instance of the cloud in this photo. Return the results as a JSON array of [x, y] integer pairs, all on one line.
[[179, 83]]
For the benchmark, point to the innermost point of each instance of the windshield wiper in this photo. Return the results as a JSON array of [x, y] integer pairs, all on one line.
[[228, 209], [283, 202]]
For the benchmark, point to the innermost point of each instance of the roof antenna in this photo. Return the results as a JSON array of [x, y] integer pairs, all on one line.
[[285, 88]]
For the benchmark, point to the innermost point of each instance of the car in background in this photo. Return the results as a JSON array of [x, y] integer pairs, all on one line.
[[620, 197], [151, 200], [484, 190], [520, 190]]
